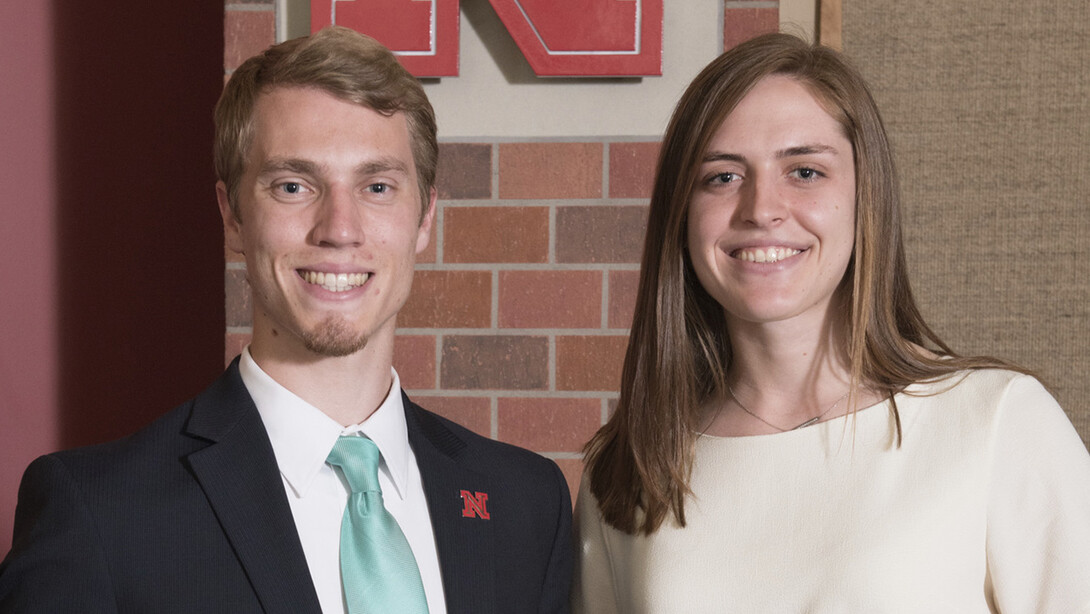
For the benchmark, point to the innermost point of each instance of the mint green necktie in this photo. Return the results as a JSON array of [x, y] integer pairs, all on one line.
[[378, 569]]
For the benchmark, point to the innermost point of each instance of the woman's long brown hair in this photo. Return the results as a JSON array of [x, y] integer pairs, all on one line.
[[679, 351]]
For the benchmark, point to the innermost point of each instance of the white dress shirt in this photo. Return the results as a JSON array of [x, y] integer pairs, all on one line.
[[302, 437]]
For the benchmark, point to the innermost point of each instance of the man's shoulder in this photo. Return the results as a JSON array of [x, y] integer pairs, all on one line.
[[523, 489], [143, 451], [164, 441]]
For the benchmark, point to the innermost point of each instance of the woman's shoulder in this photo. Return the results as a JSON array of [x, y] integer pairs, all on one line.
[[985, 398], [993, 383]]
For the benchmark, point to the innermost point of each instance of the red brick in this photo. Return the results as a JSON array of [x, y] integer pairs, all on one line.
[[512, 362], [448, 299], [239, 304], [600, 234], [572, 468], [551, 170], [742, 23], [414, 359], [246, 33], [465, 171], [622, 297], [550, 299], [549, 425], [632, 169], [496, 234], [234, 343], [589, 363], [474, 413]]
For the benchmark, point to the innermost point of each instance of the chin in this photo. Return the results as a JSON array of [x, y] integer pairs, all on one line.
[[764, 314], [334, 338]]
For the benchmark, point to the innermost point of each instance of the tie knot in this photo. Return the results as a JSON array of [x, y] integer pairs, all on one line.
[[358, 459]]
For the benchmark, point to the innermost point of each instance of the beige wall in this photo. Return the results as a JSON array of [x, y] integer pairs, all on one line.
[[987, 105]]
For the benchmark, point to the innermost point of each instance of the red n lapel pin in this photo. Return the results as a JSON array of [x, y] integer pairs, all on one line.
[[475, 504]]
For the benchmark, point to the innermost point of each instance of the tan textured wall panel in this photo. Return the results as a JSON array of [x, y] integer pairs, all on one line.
[[988, 106]]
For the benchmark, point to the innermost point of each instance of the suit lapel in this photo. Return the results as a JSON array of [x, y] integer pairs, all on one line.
[[239, 475], [464, 543]]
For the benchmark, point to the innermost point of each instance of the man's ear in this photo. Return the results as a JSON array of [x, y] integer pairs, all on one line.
[[232, 233], [423, 234]]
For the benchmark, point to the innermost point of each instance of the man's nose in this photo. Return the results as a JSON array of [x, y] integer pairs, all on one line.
[[338, 220]]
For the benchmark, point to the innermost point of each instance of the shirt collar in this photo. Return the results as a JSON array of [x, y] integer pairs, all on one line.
[[302, 436]]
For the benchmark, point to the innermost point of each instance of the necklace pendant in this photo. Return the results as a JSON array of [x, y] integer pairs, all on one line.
[[807, 423], [813, 420]]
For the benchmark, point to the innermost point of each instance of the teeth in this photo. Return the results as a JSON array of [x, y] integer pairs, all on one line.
[[336, 282], [767, 254]]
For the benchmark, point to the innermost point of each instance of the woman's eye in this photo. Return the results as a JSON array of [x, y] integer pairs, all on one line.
[[806, 174], [723, 178]]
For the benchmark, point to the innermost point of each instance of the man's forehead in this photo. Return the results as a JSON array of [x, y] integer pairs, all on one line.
[[270, 95], [318, 121]]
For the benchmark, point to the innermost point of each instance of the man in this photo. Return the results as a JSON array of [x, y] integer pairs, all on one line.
[[247, 498]]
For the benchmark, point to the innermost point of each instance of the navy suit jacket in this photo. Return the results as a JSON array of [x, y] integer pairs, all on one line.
[[190, 515]]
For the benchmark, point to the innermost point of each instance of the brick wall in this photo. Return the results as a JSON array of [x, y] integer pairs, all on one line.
[[519, 317], [518, 320]]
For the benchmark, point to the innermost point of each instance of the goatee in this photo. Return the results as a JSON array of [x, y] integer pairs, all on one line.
[[333, 337]]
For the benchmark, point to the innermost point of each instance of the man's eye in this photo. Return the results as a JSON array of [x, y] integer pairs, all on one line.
[[291, 188], [378, 188]]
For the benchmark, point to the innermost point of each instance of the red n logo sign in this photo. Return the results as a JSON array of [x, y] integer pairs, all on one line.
[[558, 37], [475, 504]]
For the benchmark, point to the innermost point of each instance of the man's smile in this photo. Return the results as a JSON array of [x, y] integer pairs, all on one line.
[[334, 282]]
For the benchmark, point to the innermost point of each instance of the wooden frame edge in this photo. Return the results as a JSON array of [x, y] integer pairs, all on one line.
[[830, 23]]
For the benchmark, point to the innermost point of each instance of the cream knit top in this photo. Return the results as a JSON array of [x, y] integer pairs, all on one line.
[[984, 508]]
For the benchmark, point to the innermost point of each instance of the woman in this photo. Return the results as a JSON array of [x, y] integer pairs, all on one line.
[[791, 436]]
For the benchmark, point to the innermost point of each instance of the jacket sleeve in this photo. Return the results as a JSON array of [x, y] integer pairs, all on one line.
[[1038, 543], [557, 587], [56, 562]]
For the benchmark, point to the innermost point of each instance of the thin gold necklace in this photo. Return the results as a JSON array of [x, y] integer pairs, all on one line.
[[810, 421]]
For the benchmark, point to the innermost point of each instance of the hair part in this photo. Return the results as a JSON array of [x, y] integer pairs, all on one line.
[[341, 62], [679, 351]]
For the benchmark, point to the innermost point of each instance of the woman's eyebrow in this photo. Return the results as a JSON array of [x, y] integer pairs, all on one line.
[[789, 152], [804, 150], [721, 156]]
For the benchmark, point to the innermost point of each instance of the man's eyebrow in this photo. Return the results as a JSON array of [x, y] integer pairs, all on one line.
[[805, 150], [382, 165], [291, 165], [307, 167]]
